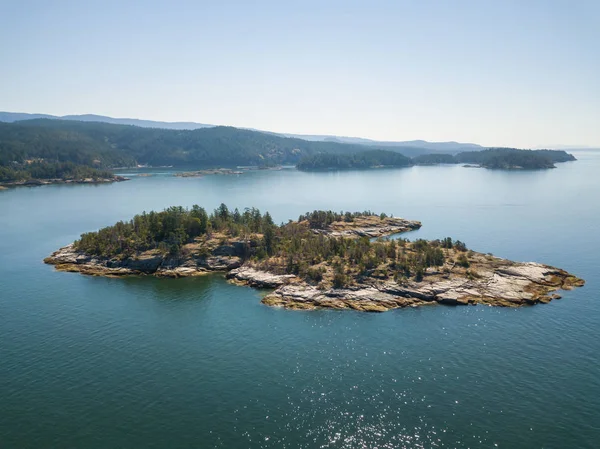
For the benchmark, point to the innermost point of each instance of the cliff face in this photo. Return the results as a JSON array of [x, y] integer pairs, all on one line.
[[222, 258]]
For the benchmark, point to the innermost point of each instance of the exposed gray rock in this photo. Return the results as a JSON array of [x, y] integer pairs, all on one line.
[[389, 226], [506, 283], [261, 279], [489, 280]]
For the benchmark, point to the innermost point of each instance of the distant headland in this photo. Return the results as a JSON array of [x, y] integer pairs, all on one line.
[[322, 260], [493, 158], [42, 151]]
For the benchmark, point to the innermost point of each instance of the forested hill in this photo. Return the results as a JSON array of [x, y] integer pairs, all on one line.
[[503, 158], [437, 147], [68, 148], [107, 145], [361, 160], [509, 158], [498, 158]]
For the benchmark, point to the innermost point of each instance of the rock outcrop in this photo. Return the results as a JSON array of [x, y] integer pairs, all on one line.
[[461, 277], [503, 283], [370, 226], [148, 263], [260, 279]]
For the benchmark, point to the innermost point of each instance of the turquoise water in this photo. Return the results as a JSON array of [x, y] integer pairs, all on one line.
[[141, 362]]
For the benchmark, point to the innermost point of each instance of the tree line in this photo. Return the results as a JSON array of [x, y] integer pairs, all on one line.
[[495, 158], [50, 170], [360, 160], [290, 248], [106, 146], [109, 145]]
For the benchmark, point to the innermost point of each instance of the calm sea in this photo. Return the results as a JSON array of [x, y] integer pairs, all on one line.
[[199, 363]]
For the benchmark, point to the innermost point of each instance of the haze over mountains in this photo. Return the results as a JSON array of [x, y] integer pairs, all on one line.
[[442, 147], [51, 148]]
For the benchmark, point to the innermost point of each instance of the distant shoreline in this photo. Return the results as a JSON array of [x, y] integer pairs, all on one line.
[[45, 182]]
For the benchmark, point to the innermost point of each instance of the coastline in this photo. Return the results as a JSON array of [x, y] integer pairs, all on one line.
[[485, 280], [45, 182]]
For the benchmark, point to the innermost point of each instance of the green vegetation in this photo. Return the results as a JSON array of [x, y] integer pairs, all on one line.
[[291, 248], [24, 141], [556, 155], [361, 160], [50, 170], [107, 145], [507, 158], [51, 143], [432, 159], [172, 228], [321, 219], [502, 158]]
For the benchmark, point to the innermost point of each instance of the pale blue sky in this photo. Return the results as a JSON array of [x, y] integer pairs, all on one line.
[[514, 73]]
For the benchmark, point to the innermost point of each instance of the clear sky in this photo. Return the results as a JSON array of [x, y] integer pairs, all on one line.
[[514, 73]]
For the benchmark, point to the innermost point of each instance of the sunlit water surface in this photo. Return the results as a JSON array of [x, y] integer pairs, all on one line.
[[142, 362]]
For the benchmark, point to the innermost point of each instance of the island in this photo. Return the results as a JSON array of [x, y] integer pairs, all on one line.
[[493, 158], [323, 259], [212, 171]]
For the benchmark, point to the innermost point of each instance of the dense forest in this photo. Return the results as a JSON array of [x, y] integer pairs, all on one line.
[[42, 147], [291, 248], [108, 145], [496, 158], [513, 158], [434, 159], [23, 141], [36, 170], [361, 160]]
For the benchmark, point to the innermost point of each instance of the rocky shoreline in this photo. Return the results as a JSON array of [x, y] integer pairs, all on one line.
[[369, 226], [212, 171], [489, 280], [44, 182], [512, 285]]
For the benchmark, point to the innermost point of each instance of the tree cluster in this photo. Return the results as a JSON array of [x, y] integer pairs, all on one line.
[[172, 228], [50, 170], [499, 158], [291, 248], [360, 160], [109, 145], [321, 219], [106, 145]]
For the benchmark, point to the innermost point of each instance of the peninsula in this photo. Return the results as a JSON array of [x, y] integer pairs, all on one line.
[[493, 158], [38, 171], [323, 259]]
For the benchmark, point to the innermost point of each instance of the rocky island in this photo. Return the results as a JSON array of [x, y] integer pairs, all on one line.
[[211, 171], [322, 260]]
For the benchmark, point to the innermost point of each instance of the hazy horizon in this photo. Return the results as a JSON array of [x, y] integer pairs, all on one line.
[[285, 133], [495, 74]]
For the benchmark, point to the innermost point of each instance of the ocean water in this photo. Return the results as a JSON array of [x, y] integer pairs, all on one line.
[[200, 363]]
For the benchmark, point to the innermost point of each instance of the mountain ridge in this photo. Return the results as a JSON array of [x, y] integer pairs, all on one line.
[[446, 147]]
